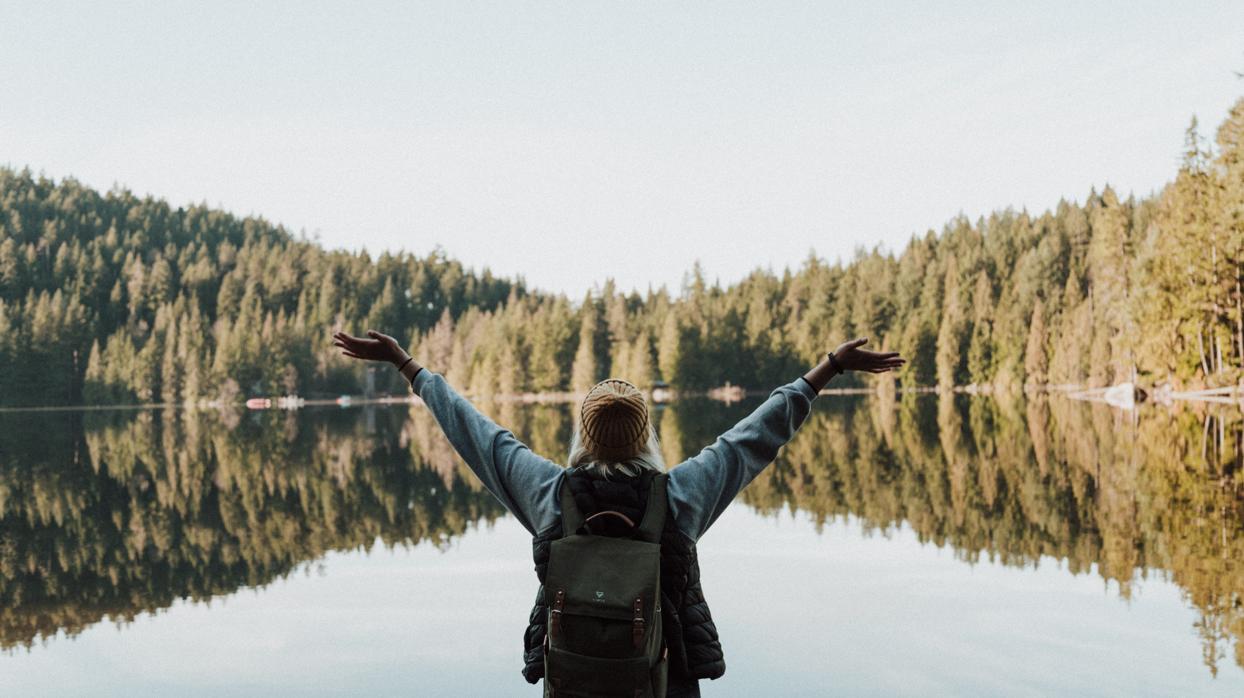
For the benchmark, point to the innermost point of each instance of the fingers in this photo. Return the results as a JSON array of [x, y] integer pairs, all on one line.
[[884, 365], [869, 361], [349, 346], [356, 342], [883, 360]]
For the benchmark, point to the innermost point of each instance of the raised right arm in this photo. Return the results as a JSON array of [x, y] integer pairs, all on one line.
[[526, 483], [702, 487]]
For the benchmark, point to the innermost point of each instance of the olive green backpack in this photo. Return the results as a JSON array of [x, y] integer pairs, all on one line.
[[604, 595]]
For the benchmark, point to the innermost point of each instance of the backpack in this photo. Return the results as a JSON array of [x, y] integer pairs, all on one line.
[[604, 599]]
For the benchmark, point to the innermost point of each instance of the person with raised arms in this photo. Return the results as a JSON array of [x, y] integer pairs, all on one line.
[[620, 609]]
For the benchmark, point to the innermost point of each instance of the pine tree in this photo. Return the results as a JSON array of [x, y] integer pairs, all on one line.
[[951, 360], [640, 370], [980, 346], [584, 374], [670, 351], [1036, 360], [95, 389]]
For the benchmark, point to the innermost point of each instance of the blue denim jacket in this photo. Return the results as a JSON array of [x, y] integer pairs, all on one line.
[[700, 488]]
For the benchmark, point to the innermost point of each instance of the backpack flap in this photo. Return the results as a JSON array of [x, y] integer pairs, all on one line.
[[603, 577]]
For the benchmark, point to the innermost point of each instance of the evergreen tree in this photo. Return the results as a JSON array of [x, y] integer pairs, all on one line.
[[951, 360], [584, 373], [1036, 359], [980, 347]]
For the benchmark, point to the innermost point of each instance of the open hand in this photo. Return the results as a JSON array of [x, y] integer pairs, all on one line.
[[381, 347], [852, 358]]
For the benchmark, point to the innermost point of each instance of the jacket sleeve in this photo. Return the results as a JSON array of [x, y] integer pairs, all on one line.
[[525, 482], [703, 486]]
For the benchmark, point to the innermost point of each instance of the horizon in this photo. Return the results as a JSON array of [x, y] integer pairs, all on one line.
[[741, 138]]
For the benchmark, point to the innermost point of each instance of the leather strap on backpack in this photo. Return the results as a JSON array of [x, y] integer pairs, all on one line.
[[649, 527]]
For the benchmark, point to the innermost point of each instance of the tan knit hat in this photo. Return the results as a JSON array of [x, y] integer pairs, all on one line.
[[614, 420]]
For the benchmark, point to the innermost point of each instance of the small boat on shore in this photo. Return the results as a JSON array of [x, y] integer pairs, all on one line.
[[727, 393], [1124, 395], [661, 393]]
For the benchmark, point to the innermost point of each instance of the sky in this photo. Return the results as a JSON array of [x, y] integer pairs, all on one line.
[[570, 142]]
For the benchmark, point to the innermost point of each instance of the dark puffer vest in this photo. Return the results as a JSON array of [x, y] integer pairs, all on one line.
[[690, 635]]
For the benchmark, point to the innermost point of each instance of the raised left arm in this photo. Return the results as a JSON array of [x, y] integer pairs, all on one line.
[[524, 482], [702, 487]]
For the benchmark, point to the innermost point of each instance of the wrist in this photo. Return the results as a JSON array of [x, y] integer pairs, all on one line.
[[409, 369], [835, 364]]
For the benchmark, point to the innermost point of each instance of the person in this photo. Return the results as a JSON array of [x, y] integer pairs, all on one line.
[[614, 454]]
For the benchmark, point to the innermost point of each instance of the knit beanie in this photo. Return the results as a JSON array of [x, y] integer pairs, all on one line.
[[614, 420]]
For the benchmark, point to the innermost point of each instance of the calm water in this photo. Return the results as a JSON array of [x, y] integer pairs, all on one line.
[[929, 546]]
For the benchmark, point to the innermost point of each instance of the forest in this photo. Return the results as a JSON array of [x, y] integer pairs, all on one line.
[[110, 298]]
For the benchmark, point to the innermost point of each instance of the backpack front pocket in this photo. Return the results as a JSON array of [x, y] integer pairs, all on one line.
[[573, 675]]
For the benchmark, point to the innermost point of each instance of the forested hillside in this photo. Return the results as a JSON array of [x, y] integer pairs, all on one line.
[[114, 298]]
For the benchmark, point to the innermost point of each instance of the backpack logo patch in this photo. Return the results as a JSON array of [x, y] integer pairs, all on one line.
[[600, 596]]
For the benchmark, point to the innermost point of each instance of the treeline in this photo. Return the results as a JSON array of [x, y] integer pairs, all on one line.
[[113, 298], [1087, 294]]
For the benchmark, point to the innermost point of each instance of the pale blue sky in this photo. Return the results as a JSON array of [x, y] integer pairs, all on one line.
[[567, 142]]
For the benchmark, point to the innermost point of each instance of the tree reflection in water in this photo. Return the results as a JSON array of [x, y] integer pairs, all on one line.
[[114, 514]]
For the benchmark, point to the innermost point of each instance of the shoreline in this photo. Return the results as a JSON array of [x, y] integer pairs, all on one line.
[[1226, 395]]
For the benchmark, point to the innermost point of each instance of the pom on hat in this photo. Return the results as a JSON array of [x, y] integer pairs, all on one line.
[[614, 420]]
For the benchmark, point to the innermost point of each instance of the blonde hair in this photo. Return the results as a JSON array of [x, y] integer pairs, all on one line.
[[648, 458]]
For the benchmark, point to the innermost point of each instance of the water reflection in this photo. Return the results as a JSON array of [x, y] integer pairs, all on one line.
[[114, 514]]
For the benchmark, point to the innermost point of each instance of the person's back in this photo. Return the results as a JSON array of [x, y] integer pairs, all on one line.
[[613, 463], [602, 586], [692, 650], [614, 459]]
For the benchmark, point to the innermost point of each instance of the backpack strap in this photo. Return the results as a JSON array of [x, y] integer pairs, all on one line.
[[650, 526], [654, 512], [572, 518]]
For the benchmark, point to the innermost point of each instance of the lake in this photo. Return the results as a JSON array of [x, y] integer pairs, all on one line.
[[924, 544]]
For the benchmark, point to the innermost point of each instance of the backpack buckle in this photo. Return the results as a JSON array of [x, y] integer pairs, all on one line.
[[637, 625], [555, 614]]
